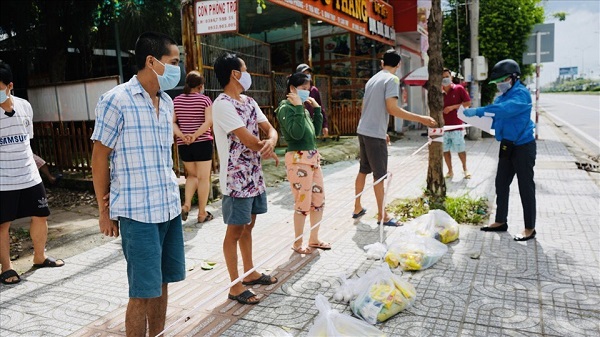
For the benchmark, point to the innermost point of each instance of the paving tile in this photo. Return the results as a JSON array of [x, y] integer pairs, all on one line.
[[280, 310], [477, 330], [505, 314], [246, 328], [572, 296], [405, 324], [569, 273], [511, 289], [561, 321]]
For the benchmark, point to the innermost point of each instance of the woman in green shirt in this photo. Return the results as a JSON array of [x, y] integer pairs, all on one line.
[[302, 160]]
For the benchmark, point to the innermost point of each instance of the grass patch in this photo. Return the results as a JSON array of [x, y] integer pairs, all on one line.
[[463, 209]]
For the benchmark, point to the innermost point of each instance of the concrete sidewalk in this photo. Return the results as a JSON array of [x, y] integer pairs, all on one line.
[[548, 287]]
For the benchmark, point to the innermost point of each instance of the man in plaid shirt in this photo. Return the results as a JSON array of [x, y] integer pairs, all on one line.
[[134, 133]]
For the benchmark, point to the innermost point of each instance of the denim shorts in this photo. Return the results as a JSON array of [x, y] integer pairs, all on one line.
[[154, 254], [238, 211], [454, 141]]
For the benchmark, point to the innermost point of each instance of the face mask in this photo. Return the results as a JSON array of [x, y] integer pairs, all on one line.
[[245, 80], [303, 94], [446, 81], [309, 76], [170, 77], [3, 96], [503, 87]]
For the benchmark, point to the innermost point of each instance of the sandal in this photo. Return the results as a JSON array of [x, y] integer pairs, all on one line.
[[467, 175], [263, 279], [184, 213], [302, 250], [244, 297], [449, 176], [320, 245], [9, 274], [50, 262], [207, 218]]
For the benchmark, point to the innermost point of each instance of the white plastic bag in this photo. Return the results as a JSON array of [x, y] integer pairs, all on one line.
[[330, 323], [376, 251], [412, 252], [436, 224], [385, 296]]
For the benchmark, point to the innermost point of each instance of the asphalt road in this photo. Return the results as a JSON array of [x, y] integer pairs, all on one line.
[[580, 113]]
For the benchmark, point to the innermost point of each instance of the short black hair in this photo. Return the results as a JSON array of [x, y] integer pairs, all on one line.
[[151, 43], [446, 70], [391, 58], [296, 80], [6, 75], [224, 64]]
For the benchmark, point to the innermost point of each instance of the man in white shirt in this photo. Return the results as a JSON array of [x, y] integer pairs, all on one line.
[[22, 193]]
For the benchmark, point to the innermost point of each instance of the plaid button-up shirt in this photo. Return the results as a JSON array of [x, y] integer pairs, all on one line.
[[143, 186]]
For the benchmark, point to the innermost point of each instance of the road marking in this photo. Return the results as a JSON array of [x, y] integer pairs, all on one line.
[[573, 104], [577, 130]]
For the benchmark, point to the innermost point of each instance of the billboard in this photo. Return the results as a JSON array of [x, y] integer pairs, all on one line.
[[216, 16], [567, 71], [371, 18]]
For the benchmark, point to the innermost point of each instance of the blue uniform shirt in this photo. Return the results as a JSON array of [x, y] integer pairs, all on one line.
[[512, 118]]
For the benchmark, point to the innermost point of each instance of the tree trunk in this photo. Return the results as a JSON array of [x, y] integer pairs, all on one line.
[[436, 186]]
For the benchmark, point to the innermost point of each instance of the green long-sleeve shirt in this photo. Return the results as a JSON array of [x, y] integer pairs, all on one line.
[[298, 129]]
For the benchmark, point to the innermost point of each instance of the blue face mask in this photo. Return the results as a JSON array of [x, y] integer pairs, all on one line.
[[303, 94], [3, 96], [170, 77]]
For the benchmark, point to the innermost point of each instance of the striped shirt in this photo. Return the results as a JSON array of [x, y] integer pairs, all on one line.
[[189, 110], [17, 167], [143, 186]]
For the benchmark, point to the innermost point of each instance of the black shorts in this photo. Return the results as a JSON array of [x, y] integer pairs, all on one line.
[[199, 151], [373, 156], [18, 204]]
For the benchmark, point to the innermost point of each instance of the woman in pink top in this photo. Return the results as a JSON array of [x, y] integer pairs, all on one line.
[[191, 123]]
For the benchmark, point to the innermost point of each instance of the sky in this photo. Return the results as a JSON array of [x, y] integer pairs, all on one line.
[[576, 40]]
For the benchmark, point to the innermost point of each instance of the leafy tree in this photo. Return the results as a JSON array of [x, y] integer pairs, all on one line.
[[504, 27], [41, 32]]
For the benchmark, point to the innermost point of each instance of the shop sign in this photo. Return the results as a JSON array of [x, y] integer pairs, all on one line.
[[370, 18], [216, 16]]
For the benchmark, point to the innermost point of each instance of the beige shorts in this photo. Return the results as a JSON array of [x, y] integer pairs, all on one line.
[[306, 180]]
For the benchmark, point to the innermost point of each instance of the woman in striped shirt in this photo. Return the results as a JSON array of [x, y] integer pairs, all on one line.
[[192, 126]]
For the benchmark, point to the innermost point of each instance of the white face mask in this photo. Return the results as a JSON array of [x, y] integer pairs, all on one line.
[[245, 80], [503, 87], [446, 81]]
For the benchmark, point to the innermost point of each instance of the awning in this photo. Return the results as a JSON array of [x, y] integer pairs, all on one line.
[[417, 77]]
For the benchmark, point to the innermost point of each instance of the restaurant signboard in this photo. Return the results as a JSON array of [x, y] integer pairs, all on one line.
[[371, 18]]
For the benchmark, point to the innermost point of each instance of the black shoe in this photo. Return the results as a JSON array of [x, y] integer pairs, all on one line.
[[524, 238], [501, 228]]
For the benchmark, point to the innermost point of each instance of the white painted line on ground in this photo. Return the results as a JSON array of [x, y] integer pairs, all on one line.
[[577, 130], [573, 104]]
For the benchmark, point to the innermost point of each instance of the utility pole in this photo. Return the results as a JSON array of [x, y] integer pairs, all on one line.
[[474, 133]]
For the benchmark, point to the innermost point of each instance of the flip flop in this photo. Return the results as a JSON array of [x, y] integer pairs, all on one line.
[[8, 274], [302, 250], [320, 245], [391, 222], [207, 218], [359, 214], [184, 214], [263, 279], [49, 262], [244, 297], [207, 265]]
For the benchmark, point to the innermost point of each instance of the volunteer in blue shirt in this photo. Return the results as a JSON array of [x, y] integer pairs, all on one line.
[[514, 129]]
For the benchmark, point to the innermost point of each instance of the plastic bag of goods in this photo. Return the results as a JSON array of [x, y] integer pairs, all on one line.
[[386, 295], [331, 323], [436, 224], [414, 252]]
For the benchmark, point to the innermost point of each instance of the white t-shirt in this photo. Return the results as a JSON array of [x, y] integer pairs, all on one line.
[[17, 166], [240, 173]]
